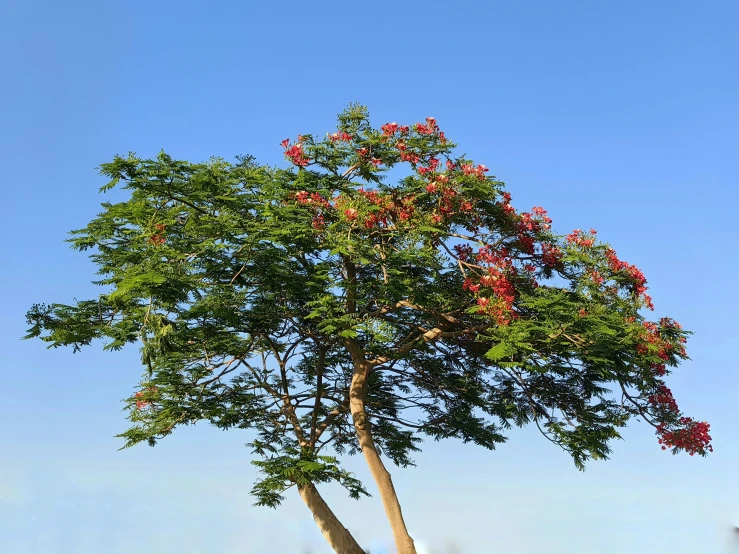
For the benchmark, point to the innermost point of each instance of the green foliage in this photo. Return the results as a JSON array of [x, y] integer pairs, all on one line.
[[300, 467], [243, 307]]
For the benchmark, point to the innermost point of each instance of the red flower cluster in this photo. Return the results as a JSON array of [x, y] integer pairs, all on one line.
[[399, 210], [507, 204], [157, 239], [653, 337], [315, 199], [464, 251], [389, 129], [427, 129], [498, 264], [405, 154], [446, 204], [468, 285], [596, 276], [527, 224], [340, 136], [318, 223], [373, 197], [141, 404], [550, 254], [527, 243], [433, 163], [538, 210], [295, 153], [578, 237], [639, 280], [693, 437], [663, 397], [479, 171]]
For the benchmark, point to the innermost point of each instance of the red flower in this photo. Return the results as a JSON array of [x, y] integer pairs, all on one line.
[[351, 214], [423, 129], [551, 255], [412, 157], [318, 222], [340, 136], [296, 155], [389, 129]]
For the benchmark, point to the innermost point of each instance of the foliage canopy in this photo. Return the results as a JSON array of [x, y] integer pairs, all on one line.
[[249, 286]]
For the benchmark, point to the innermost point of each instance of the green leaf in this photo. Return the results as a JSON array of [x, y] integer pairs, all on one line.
[[500, 351], [150, 278], [112, 183], [430, 229]]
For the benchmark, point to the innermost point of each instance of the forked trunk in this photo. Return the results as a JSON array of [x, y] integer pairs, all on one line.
[[335, 533], [403, 541]]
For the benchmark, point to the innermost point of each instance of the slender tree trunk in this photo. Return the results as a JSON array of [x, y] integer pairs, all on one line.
[[403, 541], [335, 533]]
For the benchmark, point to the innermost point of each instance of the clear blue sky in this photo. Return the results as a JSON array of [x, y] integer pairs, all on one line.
[[622, 116]]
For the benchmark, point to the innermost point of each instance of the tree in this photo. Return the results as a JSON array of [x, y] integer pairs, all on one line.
[[425, 307]]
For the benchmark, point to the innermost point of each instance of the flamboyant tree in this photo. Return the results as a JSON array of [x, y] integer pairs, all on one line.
[[329, 311]]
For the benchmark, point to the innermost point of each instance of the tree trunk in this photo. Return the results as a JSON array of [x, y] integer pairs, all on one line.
[[335, 533], [403, 541]]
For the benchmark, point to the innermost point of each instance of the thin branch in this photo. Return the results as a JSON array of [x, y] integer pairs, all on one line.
[[337, 411], [222, 373], [319, 385], [352, 168], [646, 417]]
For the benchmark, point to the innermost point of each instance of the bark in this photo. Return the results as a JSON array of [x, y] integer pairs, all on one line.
[[403, 541], [335, 533]]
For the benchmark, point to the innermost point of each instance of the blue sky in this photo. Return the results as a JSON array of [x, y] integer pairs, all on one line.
[[621, 116]]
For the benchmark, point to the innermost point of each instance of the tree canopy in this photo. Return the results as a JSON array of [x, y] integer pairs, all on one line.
[[267, 298]]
